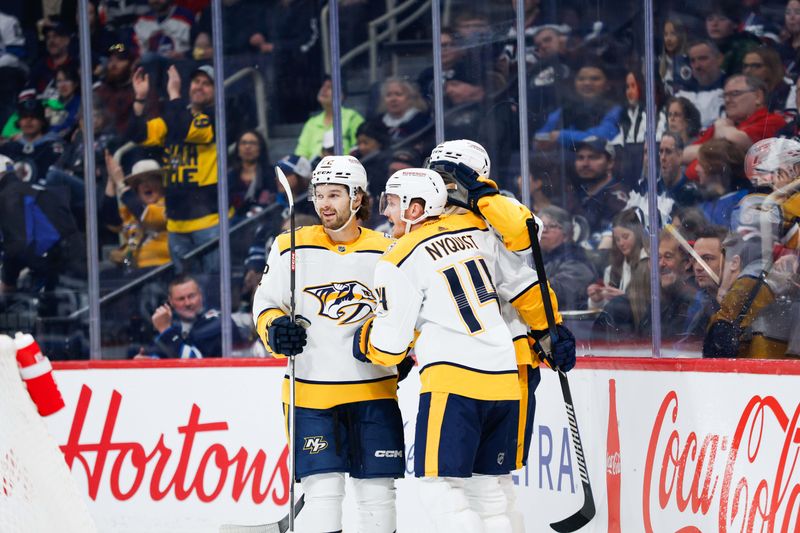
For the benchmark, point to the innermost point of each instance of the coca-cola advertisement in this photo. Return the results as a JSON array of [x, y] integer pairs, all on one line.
[[670, 446]]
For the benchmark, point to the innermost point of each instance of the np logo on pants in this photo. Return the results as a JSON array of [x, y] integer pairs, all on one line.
[[314, 444]]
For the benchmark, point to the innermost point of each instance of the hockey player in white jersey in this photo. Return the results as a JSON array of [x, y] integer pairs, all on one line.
[[465, 166], [438, 287], [347, 417]]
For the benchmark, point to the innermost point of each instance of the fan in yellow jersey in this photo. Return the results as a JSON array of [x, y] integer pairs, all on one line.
[[465, 167], [347, 416], [189, 160], [439, 284]]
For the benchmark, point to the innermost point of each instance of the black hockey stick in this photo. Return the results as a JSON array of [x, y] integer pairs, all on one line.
[[585, 513], [282, 526]]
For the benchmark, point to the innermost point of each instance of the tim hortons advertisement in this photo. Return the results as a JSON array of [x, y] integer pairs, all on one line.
[[671, 446]]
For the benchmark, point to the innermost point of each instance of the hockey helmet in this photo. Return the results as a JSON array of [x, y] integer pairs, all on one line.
[[416, 183], [342, 170], [464, 151], [769, 160]]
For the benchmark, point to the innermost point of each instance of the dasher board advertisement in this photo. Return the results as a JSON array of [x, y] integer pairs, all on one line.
[[671, 445]]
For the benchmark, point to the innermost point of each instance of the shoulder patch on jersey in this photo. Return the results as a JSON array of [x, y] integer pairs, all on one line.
[[348, 302]]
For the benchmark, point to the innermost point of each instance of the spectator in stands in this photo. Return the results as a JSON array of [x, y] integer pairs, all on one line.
[[674, 68], [742, 295], [452, 54], [587, 113], [765, 64], [464, 97], [723, 23], [115, 89], [298, 173], [186, 329], [748, 120], [251, 179], [595, 192], [633, 120], [190, 160], [36, 148], [792, 128], [628, 255], [704, 90], [548, 76], [561, 254], [677, 294], [404, 111], [535, 18], [68, 85], [403, 158], [722, 180], [165, 31], [789, 48], [100, 36], [707, 276], [683, 119], [672, 177], [373, 150], [57, 41], [309, 144], [755, 22], [135, 205], [13, 70], [123, 14], [38, 234]]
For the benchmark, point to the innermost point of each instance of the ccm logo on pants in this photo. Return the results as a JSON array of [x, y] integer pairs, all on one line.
[[389, 454]]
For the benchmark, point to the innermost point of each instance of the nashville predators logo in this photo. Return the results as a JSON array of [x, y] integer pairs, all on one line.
[[349, 302]]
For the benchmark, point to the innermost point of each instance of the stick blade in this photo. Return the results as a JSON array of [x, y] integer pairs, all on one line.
[[281, 526], [579, 519], [285, 184]]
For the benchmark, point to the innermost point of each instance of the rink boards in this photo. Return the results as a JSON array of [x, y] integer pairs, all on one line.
[[185, 446]]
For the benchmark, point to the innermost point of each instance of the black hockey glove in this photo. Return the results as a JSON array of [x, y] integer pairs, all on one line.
[[722, 340], [560, 354], [286, 337], [361, 341], [464, 186], [404, 367]]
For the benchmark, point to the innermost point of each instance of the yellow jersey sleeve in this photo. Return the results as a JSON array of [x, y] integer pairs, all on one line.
[[509, 218]]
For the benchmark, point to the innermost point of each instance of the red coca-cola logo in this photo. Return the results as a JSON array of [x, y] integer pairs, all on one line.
[[742, 479], [104, 459]]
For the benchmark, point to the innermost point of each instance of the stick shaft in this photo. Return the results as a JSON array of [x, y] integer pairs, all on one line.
[[292, 400]]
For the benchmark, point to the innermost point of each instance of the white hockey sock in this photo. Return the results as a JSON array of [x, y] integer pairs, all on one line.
[[516, 517], [322, 513], [486, 496], [375, 499], [447, 505]]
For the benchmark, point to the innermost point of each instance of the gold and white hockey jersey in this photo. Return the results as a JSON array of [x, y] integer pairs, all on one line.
[[442, 282], [333, 294]]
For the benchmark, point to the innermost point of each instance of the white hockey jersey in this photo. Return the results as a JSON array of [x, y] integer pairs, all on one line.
[[441, 282], [333, 294]]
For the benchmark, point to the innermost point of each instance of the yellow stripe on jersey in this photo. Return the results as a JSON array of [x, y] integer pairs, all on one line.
[[430, 229], [469, 382], [434, 432], [368, 241], [523, 411], [262, 323], [315, 395], [379, 357], [509, 218], [522, 349], [194, 224], [530, 306], [156, 132]]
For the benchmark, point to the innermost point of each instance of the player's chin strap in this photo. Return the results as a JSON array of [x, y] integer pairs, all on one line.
[[410, 223]]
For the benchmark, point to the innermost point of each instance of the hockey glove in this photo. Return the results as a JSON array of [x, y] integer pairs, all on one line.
[[722, 340], [286, 337], [404, 367], [558, 355], [464, 186], [361, 341]]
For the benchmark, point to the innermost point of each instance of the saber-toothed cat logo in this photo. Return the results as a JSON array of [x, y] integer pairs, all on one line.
[[348, 302]]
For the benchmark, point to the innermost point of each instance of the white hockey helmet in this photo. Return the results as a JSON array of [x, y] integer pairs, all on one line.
[[342, 170], [767, 159], [464, 151], [417, 183]]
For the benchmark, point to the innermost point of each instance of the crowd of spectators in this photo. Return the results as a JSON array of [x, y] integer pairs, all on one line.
[[727, 75]]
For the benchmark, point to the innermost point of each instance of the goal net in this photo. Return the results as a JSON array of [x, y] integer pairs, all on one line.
[[37, 492]]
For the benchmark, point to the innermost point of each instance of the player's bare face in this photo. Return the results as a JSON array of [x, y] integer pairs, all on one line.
[[333, 205], [391, 211]]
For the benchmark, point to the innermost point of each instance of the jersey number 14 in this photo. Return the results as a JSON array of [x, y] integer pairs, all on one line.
[[482, 288]]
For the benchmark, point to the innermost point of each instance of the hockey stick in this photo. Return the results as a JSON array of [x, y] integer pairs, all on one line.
[[282, 526], [585, 513], [292, 275]]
